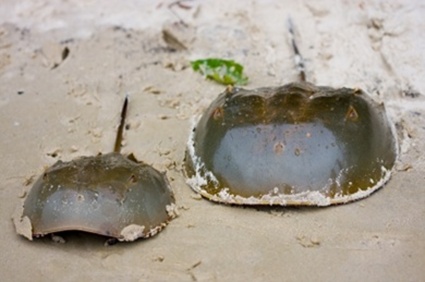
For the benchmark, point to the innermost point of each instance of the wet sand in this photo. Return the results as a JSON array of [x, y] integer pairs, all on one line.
[[55, 108]]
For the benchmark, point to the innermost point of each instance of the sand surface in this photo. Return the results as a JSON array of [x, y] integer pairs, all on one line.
[[53, 109]]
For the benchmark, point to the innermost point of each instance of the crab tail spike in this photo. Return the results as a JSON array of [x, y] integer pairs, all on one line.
[[118, 139], [299, 60]]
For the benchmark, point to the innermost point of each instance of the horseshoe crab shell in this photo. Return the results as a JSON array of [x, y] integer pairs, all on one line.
[[110, 195], [298, 144]]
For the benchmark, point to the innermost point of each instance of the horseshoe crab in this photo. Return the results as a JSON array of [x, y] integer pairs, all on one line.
[[112, 195], [297, 144]]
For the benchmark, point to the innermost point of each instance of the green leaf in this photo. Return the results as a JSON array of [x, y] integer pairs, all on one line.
[[222, 71]]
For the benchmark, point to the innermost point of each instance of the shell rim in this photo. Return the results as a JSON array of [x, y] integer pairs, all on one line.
[[22, 220]]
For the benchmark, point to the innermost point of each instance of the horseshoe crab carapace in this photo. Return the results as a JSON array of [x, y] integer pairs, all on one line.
[[112, 195], [296, 144]]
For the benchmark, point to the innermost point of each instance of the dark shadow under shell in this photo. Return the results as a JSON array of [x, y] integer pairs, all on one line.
[[110, 195], [298, 144]]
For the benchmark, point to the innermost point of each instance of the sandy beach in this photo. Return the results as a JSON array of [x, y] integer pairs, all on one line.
[[58, 107]]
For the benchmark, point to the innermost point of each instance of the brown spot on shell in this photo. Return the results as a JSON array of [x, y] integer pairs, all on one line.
[[351, 114], [218, 113], [279, 147]]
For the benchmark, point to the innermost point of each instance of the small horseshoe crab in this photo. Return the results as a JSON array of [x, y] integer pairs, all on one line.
[[297, 144], [111, 195]]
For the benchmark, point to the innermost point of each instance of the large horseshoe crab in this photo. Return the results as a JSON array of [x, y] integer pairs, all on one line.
[[296, 144], [112, 195]]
